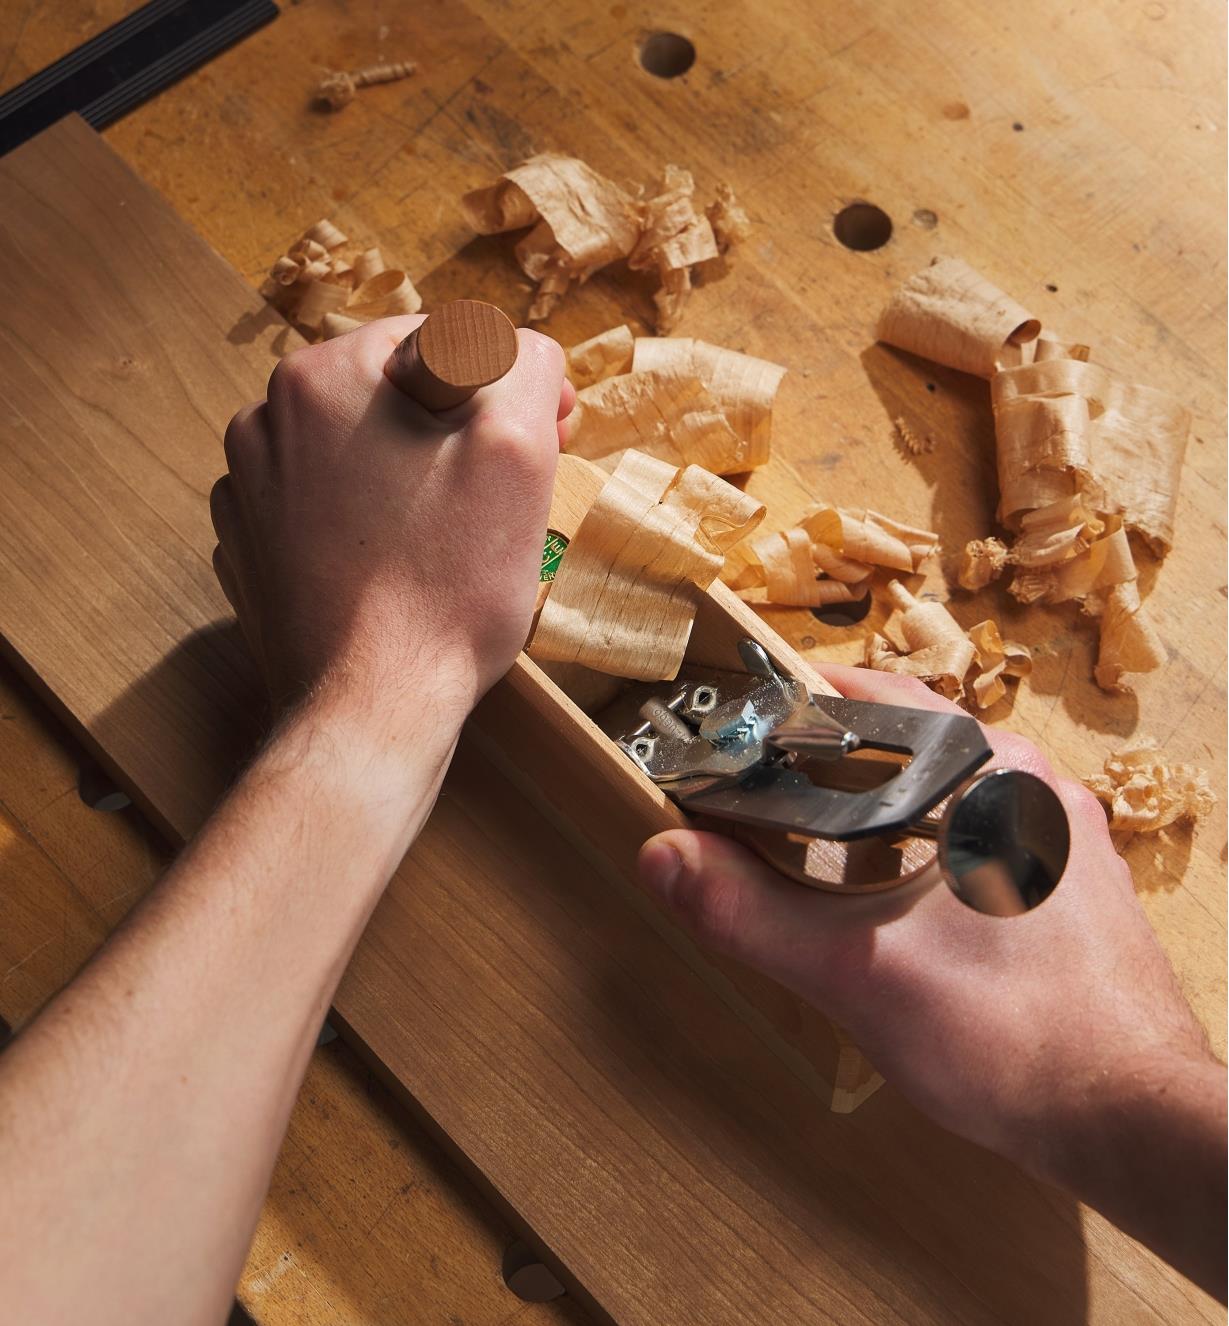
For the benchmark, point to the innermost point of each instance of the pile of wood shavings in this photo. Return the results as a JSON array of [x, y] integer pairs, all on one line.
[[681, 400], [580, 222], [1145, 792], [1083, 458], [325, 283]]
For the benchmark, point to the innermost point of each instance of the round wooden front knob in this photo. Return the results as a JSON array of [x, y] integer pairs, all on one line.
[[460, 347]]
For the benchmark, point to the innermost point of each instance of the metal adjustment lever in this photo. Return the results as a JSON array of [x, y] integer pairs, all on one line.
[[736, 746]]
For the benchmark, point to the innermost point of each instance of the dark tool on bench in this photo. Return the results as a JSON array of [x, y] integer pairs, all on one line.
[[127, 63], [744, 747]]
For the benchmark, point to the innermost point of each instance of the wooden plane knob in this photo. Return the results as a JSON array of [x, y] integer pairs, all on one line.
[[460, 347]]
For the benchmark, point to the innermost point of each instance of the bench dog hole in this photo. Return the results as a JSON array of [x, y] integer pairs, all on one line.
[[666, 54], [525, 1275], [863, 227]]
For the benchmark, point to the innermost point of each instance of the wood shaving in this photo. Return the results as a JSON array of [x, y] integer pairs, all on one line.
[[913, 444], [1051, 347], [627, 591], [993, 660], [1073, 424], [581, 222], [674, 238], [324, 283], [930, 644], [731, 224], [684, 401], [828, 557], [1145, 792], [981, 561], [384, 295], [605, 355], [954, 316], [337, 88], [337, 324]]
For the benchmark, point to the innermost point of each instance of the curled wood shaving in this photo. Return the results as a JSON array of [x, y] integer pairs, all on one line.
[[731, 224], [994, 659], [934, 647], [337, 324], [337, 88], [581, 222], [384, 295], [1051, 347], [930, 644], [981, 561], [316, 282], [674, 238], [952, 315], [605, 355], [743, 386], [670, 417], [913, 444], [684, 401], [627, 591], [827, 558], [369, 263], [1066, 421], [1145, 791]]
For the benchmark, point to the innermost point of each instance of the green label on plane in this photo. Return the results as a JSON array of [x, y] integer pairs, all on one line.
[[552, 555]]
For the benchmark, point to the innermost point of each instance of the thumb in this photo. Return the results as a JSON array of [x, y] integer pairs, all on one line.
[[728, 898]]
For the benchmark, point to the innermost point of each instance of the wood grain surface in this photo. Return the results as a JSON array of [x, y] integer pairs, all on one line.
[[1074, 149], [367, 1219]]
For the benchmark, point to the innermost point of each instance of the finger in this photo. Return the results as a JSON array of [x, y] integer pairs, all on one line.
[[567, 403], [222, 509], [248, 428], [729, 899], [567, 399], [226, 576]]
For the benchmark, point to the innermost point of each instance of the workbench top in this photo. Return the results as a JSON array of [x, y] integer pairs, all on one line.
[[1074, 155]]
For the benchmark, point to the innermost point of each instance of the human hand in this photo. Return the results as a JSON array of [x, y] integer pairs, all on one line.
[[369, 545], [997, 1028]]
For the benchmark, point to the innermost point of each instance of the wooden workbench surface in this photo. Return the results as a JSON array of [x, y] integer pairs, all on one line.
[[1075, 156]]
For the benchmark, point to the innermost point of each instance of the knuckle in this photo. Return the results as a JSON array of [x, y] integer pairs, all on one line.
[[512, 439], [546, 350], [291, 377]]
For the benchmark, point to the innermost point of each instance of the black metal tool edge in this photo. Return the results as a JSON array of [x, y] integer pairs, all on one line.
[[115, 71]]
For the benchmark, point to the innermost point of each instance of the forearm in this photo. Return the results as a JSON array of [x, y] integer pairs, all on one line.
[[144, 1107], [1148, 1151]]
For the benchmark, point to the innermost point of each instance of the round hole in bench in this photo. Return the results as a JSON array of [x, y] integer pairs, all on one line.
[[862, 226], [525, 1275], [843, 614], [666, 54]]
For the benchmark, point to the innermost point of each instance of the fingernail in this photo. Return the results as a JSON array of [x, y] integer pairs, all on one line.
[[660, 867]]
